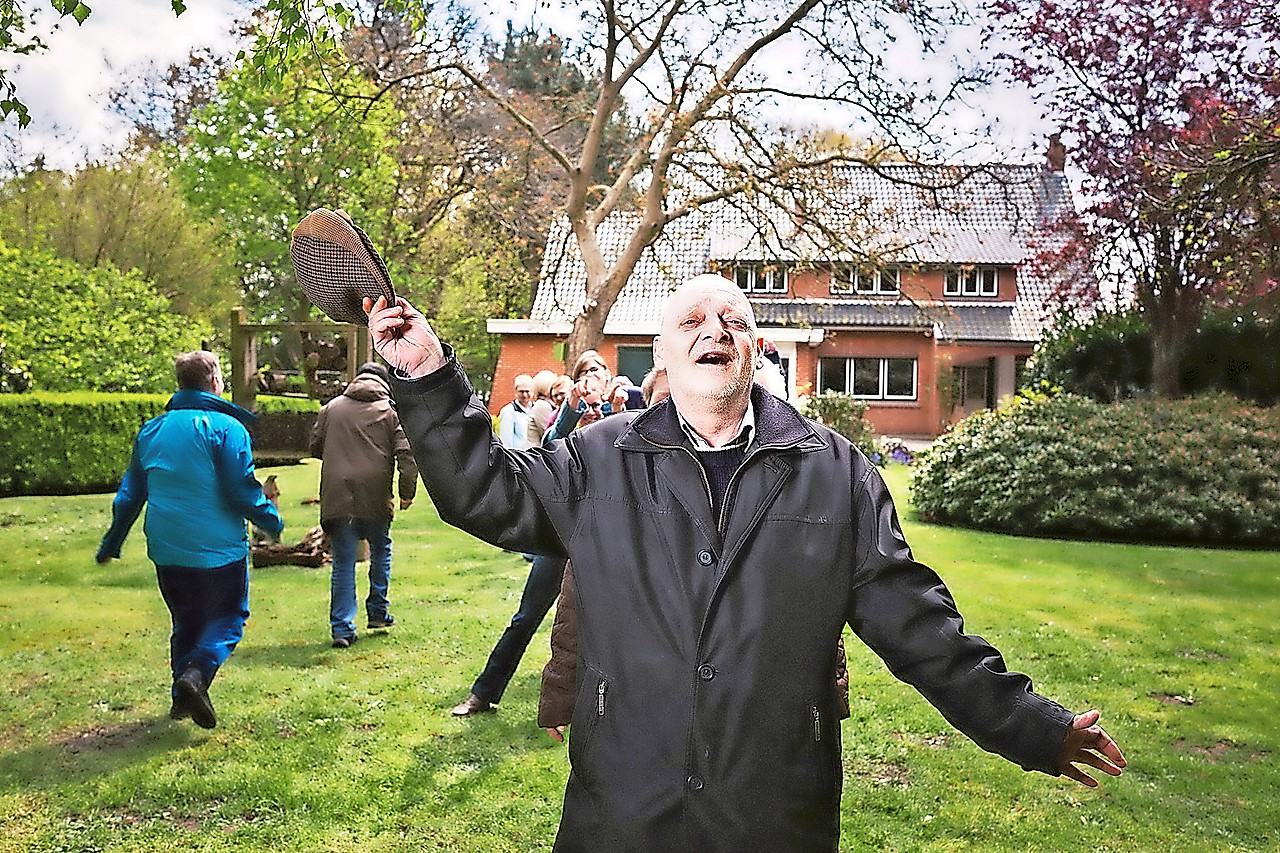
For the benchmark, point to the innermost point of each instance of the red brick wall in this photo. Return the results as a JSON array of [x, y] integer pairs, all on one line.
[[918, 284], [531, 353], [915, 417], [923, 416]]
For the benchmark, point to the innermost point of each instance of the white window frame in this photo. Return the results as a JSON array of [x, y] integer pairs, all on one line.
[[760, 278], [883, 377], [975, 282], [852, 281]]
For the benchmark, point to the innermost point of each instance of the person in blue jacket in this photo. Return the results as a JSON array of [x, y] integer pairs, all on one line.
[[193, 467]]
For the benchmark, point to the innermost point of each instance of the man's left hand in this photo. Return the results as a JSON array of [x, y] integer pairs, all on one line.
[[1087, 743]]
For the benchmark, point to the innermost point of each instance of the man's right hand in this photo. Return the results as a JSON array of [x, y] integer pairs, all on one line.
[[557, 732], [403, 337]]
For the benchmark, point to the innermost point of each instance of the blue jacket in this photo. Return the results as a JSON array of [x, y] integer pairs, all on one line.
[[193, 465]]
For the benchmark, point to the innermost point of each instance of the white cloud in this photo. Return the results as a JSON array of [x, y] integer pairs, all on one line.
[[66, 88]]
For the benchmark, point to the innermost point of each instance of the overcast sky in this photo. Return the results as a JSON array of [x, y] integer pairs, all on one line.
[[67, 87]]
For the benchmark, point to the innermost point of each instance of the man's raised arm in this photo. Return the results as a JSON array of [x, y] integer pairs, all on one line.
[[500, 496]]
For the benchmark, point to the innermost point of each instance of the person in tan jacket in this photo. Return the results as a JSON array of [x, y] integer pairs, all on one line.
[[360, 443]]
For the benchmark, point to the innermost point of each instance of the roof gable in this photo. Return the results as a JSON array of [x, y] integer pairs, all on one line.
[[916, 215]]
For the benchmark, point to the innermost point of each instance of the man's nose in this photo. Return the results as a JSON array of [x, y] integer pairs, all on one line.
[[716, 330]]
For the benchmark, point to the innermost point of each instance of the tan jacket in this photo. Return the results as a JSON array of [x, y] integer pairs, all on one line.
[[359, 440]]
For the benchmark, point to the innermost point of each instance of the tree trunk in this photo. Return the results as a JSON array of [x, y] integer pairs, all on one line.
[[1166, 362]]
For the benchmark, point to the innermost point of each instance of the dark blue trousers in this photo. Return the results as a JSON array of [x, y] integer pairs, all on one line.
[[540, 592], [209, 608]]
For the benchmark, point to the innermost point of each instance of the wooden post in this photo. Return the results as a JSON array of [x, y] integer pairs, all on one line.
[[364, 344], [244, 361]]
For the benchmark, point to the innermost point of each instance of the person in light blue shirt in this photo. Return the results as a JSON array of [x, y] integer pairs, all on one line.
[[193, 469]]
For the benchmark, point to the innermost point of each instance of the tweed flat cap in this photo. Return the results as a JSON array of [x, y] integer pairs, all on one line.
[[337, 266]]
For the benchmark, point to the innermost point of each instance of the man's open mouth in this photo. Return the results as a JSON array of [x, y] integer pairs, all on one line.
[[714, 358]]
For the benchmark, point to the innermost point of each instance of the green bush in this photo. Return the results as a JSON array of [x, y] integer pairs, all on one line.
[[283, 428], [1109, 357], [70, 443], [15, 377], [1204, 470], [844, 414], [80, 442], [89, 329]]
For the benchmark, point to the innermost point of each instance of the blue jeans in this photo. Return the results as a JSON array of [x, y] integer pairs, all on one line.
[[344, 537], [209, 608], [540, 592]]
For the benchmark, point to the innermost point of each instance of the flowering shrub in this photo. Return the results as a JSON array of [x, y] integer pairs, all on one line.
[[844, 414], [1200, 470], [895, 450]]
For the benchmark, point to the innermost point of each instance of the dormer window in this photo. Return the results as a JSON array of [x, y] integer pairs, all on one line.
[[760, 278], [855, 281], [975, 281]]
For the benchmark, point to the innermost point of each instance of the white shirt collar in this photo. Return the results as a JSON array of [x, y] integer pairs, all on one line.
[[745, 433]]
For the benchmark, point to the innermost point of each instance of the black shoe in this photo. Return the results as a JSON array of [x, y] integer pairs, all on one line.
[[179, 710], [193, 696], [344, 642], [385, 622]]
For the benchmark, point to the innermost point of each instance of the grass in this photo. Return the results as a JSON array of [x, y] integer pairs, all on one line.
[[345, 750]]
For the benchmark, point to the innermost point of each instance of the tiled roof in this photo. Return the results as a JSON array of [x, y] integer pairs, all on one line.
[[950, 322], [907, 214]]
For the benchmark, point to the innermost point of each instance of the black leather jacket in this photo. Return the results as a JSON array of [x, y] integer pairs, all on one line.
[[705, 716]]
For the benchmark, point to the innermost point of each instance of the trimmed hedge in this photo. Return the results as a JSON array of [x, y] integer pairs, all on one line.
[[283, 428], [79, 442], [69, 443], [1205, 470]]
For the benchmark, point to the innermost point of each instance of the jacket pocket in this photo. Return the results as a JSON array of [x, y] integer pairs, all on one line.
[[588, 716], [824, 753]]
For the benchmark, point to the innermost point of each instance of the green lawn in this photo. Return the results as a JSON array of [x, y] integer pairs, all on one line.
[[354, 750]]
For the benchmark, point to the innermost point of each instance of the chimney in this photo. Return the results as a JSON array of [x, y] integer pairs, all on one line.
[[1056, 157]]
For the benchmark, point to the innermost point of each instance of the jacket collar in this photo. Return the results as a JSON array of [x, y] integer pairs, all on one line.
[[190, 398], [778, 427]]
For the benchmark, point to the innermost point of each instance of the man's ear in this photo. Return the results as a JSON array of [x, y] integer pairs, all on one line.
[[659, 357]]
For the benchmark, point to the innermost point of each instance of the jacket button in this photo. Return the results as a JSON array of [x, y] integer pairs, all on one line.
[[706, 672], [696, 783], [705, 558]]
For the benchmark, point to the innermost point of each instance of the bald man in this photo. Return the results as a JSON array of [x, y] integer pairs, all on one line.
[[720, 543]]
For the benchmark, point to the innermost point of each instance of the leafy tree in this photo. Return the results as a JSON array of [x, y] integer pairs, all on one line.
[[1151, 93], [98, 329], [699, 74], [475, 285], [127, 215], [264, 154], [14, 19]]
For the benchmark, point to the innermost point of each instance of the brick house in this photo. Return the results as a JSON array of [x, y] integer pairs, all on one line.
[[929, 322]]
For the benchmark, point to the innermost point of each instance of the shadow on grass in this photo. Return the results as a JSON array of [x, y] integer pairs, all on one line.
[[459, 765], [96, 751], [296, 654]]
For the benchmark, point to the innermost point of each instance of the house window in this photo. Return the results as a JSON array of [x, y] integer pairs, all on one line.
[[759, 278], [634, 361], [869, 378], [972, 386], [850, 281], [978, 281]]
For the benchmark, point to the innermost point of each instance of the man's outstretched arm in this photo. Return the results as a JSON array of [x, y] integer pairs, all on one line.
[[1088, 743]]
